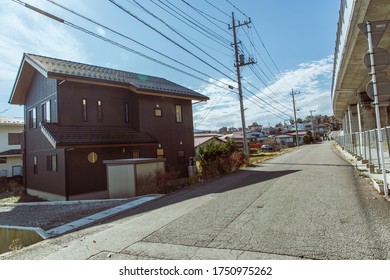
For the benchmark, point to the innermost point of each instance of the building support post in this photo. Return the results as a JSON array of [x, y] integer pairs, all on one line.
[[376, 104], [360, 129]]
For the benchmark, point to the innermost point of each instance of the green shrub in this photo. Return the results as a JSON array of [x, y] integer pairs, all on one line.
[[219, 158]]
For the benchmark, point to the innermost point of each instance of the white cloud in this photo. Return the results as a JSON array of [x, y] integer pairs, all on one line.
[[22, 30], [312, 79], [101, 31]]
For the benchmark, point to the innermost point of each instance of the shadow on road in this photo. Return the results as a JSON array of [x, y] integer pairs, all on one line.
[[239, 179], [309, 164]]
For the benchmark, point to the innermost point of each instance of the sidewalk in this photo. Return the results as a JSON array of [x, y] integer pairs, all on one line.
[[28, 223], [364, 170]]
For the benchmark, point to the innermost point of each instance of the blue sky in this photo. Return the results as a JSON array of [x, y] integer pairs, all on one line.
[[292, 42]]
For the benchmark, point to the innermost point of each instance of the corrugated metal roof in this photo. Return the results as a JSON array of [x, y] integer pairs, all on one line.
[[96, 135], [54, 66]]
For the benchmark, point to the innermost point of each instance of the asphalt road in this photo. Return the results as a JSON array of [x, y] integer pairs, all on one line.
[[306, 204]]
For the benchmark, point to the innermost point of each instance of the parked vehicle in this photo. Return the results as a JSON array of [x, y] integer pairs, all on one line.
[[266, 147]]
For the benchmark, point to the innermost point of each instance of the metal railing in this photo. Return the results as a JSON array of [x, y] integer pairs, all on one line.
[[366, 145]]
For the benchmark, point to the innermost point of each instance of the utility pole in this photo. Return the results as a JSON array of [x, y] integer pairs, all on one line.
[[239, 62], [312, 122], [295, 116]]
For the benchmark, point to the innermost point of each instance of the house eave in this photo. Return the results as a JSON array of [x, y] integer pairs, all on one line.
[[72, 78], [23, 79], [116, 145]]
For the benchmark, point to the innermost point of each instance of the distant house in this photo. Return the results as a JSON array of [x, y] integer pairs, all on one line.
[[268, 130], [11, 158], [301, 134], [237, 137], [301, 126], [202, 140], [286, 140], [256, 136], [255, 127], [227, 130], [79, 115]]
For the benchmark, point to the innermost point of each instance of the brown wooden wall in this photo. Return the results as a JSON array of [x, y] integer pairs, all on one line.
[[37, 145], [113, 105], [85, 177], [167, 131]]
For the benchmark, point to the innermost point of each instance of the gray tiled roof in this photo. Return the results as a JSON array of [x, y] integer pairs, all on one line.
[[96, 135], [11, 152], [139, 81]]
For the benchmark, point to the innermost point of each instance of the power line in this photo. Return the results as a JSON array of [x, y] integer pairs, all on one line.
[[109, 41], [204, 14], [261, 106], [194, 26], [261, 57], [168, 38], [211, 109], [174, 30], [258, 53], [268, 86], [237, 9], [131, 39], [269, 55], [217, 8], [194, 21], [268, 97], [265, 102]]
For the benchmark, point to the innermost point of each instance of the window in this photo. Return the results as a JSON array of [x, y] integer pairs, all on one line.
[[17, 170], [35, 165], [3, 160], [181, 156], [99, 111], [157, 112], [46, 112], [14, 139], [84, 112], [126, 112], [135, 154], [160, 153], [52, 164], [179, 115], [32, 118], [92, 157]]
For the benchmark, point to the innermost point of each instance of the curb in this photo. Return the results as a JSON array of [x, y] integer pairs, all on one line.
[[42, 234]]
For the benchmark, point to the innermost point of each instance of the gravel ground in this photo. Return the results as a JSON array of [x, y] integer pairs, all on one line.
[[48, 215]]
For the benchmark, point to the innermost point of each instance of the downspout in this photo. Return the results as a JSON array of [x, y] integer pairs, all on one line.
[[66, 174], [66, 151], [24, 156]]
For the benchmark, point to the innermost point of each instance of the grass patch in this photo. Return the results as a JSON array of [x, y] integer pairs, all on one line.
[[264, 156]]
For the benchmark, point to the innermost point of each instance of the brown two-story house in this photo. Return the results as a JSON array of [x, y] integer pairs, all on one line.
[[79, 115]]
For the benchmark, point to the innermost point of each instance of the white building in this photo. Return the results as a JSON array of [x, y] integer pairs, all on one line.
[[11, 158]]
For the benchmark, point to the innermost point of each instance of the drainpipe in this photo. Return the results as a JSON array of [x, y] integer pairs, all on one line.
[[24, 158], [66, 174]]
